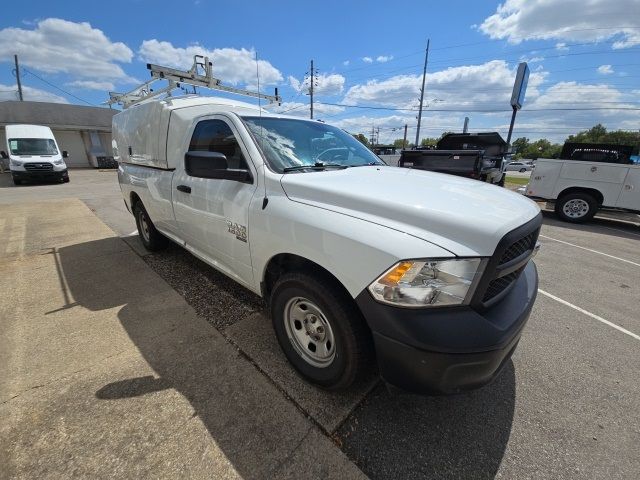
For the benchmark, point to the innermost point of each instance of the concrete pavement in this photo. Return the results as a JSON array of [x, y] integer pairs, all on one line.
[[108, 372]]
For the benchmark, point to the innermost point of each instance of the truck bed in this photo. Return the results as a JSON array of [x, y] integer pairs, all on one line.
[[455, 162]]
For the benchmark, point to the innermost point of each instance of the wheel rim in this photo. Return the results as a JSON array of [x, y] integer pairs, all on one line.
[[144, 226], [575, 208], [309, 332]]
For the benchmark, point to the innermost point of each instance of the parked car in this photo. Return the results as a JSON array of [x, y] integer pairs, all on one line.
[[580, 187], [480, 156], [429, 274], [519, 167], [33, 154]]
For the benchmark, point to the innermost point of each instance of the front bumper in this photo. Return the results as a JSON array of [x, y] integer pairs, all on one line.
[[448, 350], [39, 174]]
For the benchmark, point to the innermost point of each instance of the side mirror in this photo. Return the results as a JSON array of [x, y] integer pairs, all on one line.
[[213, 165], [4, 154], [65, 154]]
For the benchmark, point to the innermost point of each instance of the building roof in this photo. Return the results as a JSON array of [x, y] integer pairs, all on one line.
[[56, 115]]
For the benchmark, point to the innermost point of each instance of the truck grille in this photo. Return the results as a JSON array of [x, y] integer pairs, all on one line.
[[499, 285], [518, 248], [508, 262], [38, 167]]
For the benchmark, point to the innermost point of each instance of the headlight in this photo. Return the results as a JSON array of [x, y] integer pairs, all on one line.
[[58, 162], [428, 283], [15, 163]]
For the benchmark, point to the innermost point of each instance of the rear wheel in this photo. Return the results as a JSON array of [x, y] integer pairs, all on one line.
[[320, 330], [576, 207], [150, 237], [522, 170]]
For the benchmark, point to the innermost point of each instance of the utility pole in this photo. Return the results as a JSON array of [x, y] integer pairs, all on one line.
[[404, 141], [312, 78], [15, 57], [424, 76], [378, 136]]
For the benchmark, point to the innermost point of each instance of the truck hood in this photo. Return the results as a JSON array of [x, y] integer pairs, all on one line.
[[466, 217]]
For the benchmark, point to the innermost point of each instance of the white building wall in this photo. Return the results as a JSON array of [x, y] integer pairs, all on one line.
[[71, 141]]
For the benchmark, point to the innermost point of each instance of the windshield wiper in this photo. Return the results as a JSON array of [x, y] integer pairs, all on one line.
[[318, 166]]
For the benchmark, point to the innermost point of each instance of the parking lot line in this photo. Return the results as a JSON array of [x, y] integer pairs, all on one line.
[[590, 250], [592, 315]]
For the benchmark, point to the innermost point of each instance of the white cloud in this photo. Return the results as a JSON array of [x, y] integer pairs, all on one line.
[[346, 63], [384, 58], [231, 65], [486, 85], [601, 101], [367, 59], [561, 46], [574, 20], [10, 92], [327, 84], [605, 69], [92, 85], [576, 94], [531, 59], [60, 46]]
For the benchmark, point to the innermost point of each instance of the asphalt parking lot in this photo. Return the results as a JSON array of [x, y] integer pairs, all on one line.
[[565, 406]]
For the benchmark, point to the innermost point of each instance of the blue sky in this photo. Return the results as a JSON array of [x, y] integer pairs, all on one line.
[[584, 56]]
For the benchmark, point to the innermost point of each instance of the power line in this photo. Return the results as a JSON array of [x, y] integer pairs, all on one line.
[[371, 107], [56, 87]]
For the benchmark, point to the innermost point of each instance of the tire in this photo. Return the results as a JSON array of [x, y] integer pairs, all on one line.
[[149, 236], [65, 178], [502, 180], [522, 170], [302, 305], [576, 207], [16, 181]]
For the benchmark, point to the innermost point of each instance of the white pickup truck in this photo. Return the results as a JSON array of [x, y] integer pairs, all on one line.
[[429, 275], [580, 188]]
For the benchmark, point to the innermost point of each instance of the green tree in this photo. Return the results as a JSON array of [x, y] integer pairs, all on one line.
[[520, 144], [428, 141], [541, 148], [599, 134], [399, 143], [361, 138]]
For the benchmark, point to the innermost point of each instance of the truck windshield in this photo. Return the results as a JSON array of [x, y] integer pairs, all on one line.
[[288, 143], [32, 146]]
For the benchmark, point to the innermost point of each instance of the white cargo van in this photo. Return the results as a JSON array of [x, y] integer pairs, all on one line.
[[427, 274], [580, 188], [33, 154]]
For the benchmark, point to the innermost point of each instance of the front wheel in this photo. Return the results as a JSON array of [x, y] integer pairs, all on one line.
[[522, 170], [320, 330], [576, 207], [16, 181]]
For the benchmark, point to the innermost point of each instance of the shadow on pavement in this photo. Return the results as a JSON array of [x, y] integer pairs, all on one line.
[[408, 436], [256, 429], [605, 226]]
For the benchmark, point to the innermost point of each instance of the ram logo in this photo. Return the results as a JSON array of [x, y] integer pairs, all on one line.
[[240, 231]]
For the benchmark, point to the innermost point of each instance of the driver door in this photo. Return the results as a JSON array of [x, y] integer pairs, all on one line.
[[212, 213]]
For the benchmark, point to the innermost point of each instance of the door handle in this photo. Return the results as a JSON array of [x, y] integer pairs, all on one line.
[[184, 188]]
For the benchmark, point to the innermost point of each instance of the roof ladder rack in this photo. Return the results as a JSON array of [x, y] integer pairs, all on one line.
[[200, 74]]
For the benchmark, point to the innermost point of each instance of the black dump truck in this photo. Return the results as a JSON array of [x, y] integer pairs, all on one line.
[[474, 155]]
